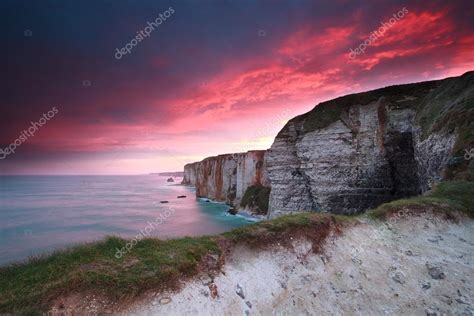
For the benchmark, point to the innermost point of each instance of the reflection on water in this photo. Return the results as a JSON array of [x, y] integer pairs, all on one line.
[[42, 213]]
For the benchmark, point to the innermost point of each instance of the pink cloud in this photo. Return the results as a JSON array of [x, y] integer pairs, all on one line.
[[216, 114]]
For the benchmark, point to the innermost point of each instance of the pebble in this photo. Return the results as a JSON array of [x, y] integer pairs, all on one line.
[[324, 260], [448, 300], [356, 260], [399, 278], [240, 291], [165, 300], [206, 280], [430, 312], [426, 286], [435, 271], [435, 239]]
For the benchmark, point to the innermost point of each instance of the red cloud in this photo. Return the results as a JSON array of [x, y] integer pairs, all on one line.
[[312, 64], [415, 34], [309, 65], [305, 43]]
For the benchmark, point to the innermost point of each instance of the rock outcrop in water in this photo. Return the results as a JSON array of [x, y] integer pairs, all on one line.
[[352, 153], [228, 177]]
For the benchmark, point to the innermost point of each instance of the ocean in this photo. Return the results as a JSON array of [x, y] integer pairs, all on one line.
[[39, 214]]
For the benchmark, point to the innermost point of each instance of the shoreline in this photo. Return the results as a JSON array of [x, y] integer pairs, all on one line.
[[122, 215], [242, 213], [91, 269]]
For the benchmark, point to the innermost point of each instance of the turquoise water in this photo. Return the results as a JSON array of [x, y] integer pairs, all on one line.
[[39, 214]]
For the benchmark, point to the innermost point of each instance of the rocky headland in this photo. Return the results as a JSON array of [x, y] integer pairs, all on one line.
[[352, 153], [238, 179]]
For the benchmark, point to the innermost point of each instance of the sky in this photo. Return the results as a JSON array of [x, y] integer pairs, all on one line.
[[210, 77]]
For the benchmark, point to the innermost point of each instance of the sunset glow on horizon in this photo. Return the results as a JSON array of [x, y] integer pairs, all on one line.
[[213, 78]]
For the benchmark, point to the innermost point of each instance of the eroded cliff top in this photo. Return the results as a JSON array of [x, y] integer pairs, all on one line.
[[226, 156], [438, 103]]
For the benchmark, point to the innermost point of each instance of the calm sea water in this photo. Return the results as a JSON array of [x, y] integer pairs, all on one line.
[[39, 214]]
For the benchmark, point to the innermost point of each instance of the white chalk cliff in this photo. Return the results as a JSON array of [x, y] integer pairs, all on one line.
[[351, 153]]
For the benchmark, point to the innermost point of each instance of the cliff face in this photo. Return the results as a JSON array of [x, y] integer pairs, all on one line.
[[352, 153], [227, 177], [358, 151]]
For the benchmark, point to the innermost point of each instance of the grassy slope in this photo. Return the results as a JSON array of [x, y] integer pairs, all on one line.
[[448, 196], [151, 265], [154, 264], [451, 108]]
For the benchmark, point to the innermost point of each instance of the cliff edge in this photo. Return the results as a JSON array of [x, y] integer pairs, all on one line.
[[352, 153], [358, 151], [407, 257], [237, 179]]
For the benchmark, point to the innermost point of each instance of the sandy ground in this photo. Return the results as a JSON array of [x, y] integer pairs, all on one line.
[[421, 265]]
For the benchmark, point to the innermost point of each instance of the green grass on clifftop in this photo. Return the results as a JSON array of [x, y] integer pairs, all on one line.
[[278, 230], [151, 264], [30, 288], [330, 111], [446, 197]]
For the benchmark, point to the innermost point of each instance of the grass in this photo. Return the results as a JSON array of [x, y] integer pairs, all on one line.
[[272, 230], [439, 104], [314, 226], [153, 265], [257, 198], [29, 288], [446, 197], [450, 105], [328, 112], [450, 108]]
